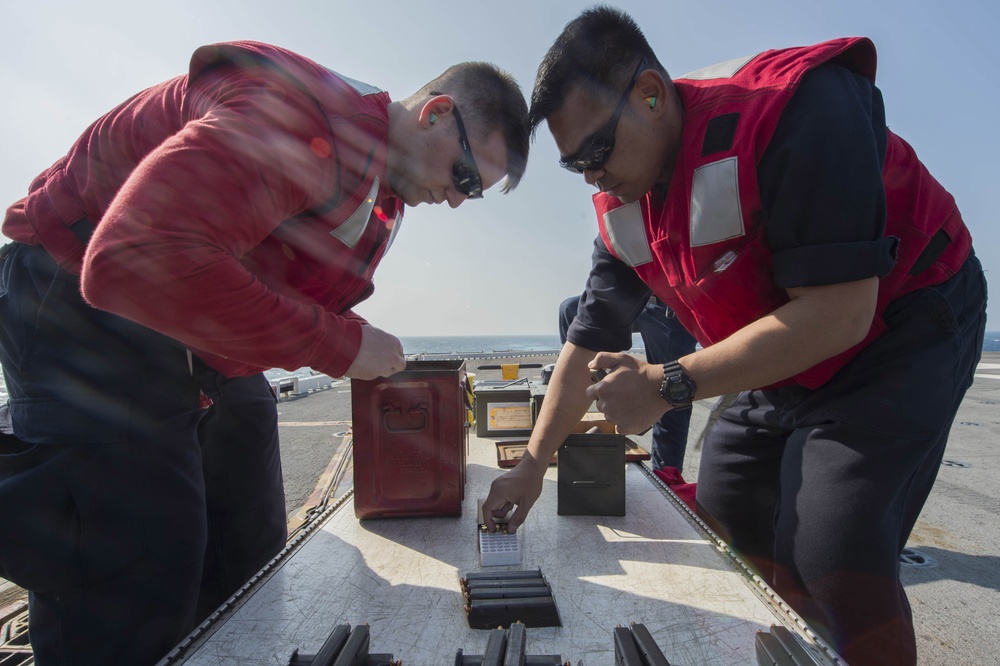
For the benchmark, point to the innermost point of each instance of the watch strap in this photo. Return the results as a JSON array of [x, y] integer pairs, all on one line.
[[673, 375]]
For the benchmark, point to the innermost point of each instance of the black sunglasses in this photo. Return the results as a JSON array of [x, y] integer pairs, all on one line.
[[596, 152], [464, 172]]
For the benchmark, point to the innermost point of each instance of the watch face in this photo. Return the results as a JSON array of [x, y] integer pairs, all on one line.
[[678, 391]]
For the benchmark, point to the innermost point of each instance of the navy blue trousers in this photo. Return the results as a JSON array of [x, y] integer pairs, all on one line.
[[819, 490], [665, 340], [128, 512]]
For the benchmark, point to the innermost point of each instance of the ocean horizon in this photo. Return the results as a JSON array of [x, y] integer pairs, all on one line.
[[485, 344], [539, 343]]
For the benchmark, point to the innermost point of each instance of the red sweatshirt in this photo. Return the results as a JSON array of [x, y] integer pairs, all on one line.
[[240, 209]]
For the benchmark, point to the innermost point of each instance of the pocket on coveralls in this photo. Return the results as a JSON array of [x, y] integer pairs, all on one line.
[[904, 383], [40, 535]]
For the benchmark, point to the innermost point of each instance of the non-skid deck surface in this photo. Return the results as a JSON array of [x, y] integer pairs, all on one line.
[[401, 576]]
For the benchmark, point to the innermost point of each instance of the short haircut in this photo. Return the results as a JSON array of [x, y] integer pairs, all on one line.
[[490, 100], [598, 51]]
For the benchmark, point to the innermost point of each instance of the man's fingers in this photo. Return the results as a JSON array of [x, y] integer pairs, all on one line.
[[518, 517], [503, 510], [603, 361], [398, 365], [490, 516], [629, 429]]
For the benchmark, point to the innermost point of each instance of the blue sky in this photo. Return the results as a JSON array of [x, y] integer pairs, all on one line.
[[502, 265]]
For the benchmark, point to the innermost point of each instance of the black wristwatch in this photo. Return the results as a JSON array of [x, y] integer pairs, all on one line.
[[677, 388]]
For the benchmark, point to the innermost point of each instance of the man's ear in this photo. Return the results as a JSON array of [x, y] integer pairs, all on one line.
[[651, 86], [434, 109]]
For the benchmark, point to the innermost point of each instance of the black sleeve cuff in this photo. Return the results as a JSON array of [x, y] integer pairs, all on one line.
[[834, 263], [599, 339]]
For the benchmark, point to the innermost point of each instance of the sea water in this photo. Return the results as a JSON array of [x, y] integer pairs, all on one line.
[[481, 344]]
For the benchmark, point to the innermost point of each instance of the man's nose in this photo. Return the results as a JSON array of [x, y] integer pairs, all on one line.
[[593, 177]]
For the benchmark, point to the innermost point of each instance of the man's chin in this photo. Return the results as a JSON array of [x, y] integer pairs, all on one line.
[[401, 187], [410, 200], [629, 195]]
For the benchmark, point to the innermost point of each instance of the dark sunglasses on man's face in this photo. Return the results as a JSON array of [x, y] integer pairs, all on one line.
[[464, 172], [598, 149]]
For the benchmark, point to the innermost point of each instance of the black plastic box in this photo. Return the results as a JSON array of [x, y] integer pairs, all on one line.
[[591, 474]]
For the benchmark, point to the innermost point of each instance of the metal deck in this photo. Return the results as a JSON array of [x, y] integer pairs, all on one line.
[[655, 566]]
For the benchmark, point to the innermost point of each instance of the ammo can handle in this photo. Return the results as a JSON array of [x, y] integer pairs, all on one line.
[[419, 409]]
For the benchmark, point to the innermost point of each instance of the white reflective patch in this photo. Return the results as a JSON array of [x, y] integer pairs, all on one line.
[[724, 262], [396, 224], [353, 228], [360, 87], [722, 70], [716, 214], [627, 233]]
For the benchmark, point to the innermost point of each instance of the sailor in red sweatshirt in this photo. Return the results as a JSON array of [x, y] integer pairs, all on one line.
[[208, 228]]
